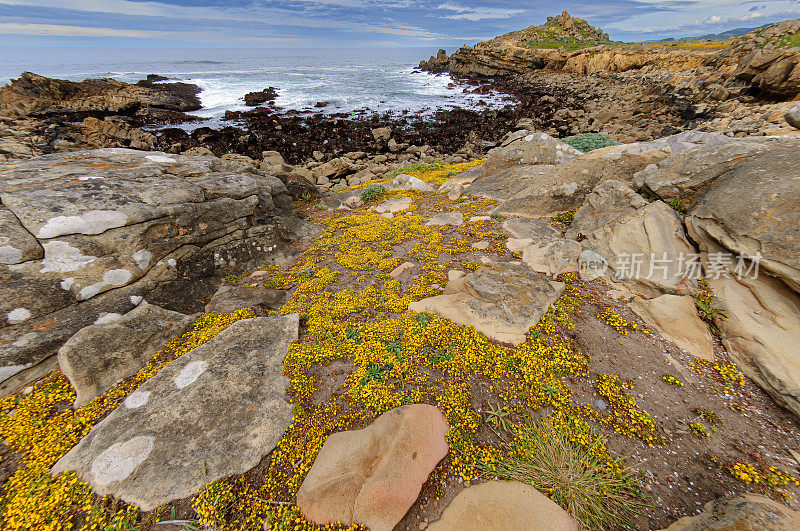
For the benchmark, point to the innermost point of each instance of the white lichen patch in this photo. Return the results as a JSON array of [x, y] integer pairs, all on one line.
[[10, 255], [60, 257], [117, 277], [142, 258], [121, 459], [190, 373], [160, 158], [90, 291], [108, 318], [18, 315], [66, 284], [136, 399], [136, 300], [91, 222], [10, 370]]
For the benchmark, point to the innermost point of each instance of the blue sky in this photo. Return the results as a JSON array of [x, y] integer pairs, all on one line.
[[347, 23]]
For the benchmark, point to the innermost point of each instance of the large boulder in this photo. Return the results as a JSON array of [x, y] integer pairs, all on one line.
[[550, 257], [646, 247], [793, 116], [102, 226], [502, 300], [747, 226], [503, 505], [674, 317], [100, 355], [686, 175], [533, 190], [211, 413], [748, 512], [373, 476]]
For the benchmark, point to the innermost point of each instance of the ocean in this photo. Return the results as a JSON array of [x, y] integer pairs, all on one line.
[[382, 80]]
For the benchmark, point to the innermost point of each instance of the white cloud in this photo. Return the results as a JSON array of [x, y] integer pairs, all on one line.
[[479, 13], [273, 17]]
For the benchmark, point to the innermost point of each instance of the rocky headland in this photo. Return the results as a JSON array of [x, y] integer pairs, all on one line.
[[578, 312]]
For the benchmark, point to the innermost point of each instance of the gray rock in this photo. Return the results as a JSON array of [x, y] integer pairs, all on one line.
[[211, 413], [117, 218], [550, 257], [101, 355], [530, 228], [17, 245], [446, 218], [747, 512], [228, 298], [609, 201], [644, 248], [793, 116], [501, 300], [407, 182], [754, 213], [394, 205]]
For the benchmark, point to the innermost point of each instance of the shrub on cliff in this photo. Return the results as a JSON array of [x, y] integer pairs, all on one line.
[[590, 141]]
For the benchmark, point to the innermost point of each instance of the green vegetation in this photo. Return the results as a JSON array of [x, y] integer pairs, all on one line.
[[577, 473], [373, 192], [589, 142]]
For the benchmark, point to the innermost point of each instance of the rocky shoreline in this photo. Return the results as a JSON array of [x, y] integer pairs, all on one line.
[[577, 312]]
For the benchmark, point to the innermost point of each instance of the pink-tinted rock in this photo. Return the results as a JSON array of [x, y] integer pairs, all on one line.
[[373, 476]]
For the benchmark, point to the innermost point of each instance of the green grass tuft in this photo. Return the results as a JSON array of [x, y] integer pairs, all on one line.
[[589, 142]]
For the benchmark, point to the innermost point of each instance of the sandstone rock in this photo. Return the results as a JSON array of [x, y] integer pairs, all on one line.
[[198, 151], [211, 413], [17, 245], [35, 95], [115, 218], [675, 318], [335, 168], [446, 218], [793, 116], [503, 505], [228, 299], [545, 190], [394, 205], [236, 157], [407, 182], [272, 159], [609, 202], [382, 134], [501, 300], [550, 257], [749, 512], [373, 476], [686, 175], [646, 248], [529, 147], [402, 268], [530, 228], [101, 355], [763, 303]]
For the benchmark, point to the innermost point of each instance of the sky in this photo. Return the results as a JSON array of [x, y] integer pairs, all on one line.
[[356, 23]]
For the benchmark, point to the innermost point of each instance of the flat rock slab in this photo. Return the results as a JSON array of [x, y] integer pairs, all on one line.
[[100, 355], [503, 505], [373, 476], [746, 513], [213, 412], [394, 205], [228, 299], [502, 300], [447, 218], [550, 257]]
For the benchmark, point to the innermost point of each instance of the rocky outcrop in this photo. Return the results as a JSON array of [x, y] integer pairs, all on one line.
[[373, 476], [211, 413], [100, 355], [793, 116], [36, 96], [753, 255], [749, 512], [501, 505], [675, 318], [228, 299], [253, 99], [570, 45], [115, 224], [502, 300]]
